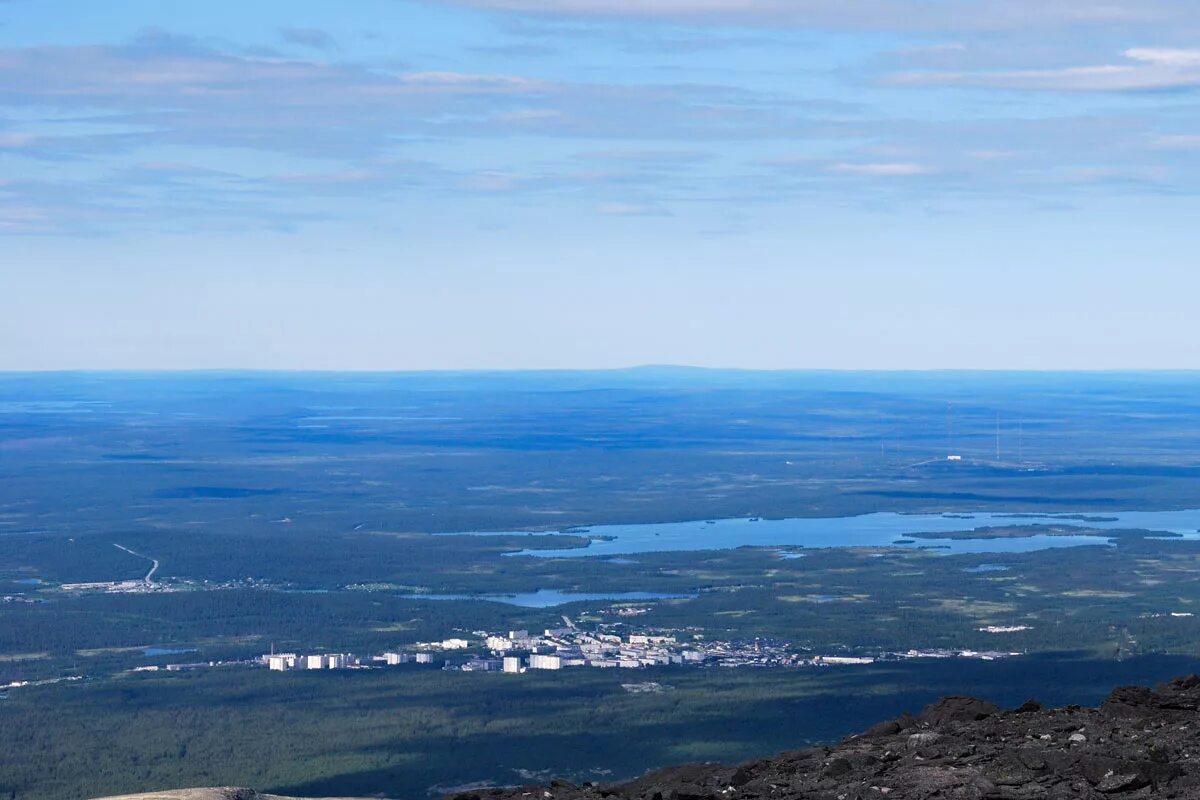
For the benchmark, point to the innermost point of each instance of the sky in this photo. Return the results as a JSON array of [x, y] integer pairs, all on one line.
[[489, 184]]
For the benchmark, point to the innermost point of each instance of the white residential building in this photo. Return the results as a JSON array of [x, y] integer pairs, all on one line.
[[512, 664], [540, 661], [281, 662]]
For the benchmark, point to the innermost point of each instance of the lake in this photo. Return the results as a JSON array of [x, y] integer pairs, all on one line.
[[548, 598], [869, 530]]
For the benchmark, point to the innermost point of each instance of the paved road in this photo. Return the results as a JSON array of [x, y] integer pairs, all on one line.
[[149, 575]]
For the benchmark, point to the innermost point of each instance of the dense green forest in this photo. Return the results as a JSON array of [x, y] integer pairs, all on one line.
[[312, 512], [400, 732], [1113, 601]]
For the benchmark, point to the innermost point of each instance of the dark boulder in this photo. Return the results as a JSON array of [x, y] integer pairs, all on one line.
[[957, 708]]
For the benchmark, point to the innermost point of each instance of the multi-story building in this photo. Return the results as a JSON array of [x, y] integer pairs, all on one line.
[[543, 661], [281, 662]]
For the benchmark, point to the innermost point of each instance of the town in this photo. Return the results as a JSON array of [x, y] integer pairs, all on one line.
[[518, 651]]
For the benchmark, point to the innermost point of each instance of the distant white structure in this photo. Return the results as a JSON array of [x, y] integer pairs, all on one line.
[[424, 658], [954, 458], [498, 644], [645, 639], [281, 662], [512, 664], [392, 659], [543, 661], [1005, 628], [455, 644], [842, 660]]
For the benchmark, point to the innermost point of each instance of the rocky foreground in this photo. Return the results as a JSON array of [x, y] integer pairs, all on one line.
[[1140, 743], [219, 793]]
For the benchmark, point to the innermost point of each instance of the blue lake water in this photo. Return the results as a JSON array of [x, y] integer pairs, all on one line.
[[548, 598], [869, 530]]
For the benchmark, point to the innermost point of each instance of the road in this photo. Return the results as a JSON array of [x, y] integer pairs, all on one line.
[[149, 579]]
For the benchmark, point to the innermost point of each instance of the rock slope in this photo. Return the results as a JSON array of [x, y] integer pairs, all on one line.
[[1140, 743]]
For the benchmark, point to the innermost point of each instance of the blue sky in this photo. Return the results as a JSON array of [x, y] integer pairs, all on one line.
[[595, 183]]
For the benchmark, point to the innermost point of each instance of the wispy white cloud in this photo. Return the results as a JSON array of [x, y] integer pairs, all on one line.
[[631, 210], [647, 156], [898, 169], [18, 219], [1177, 58], [132, 116], [928, 15], [12, 140], [1142, 69], [1176, 141], [181, 92]]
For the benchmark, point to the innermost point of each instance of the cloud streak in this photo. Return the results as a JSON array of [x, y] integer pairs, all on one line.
[[884, 170], [186, 94], [258, 138], [1142, 69], [903, 15]]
